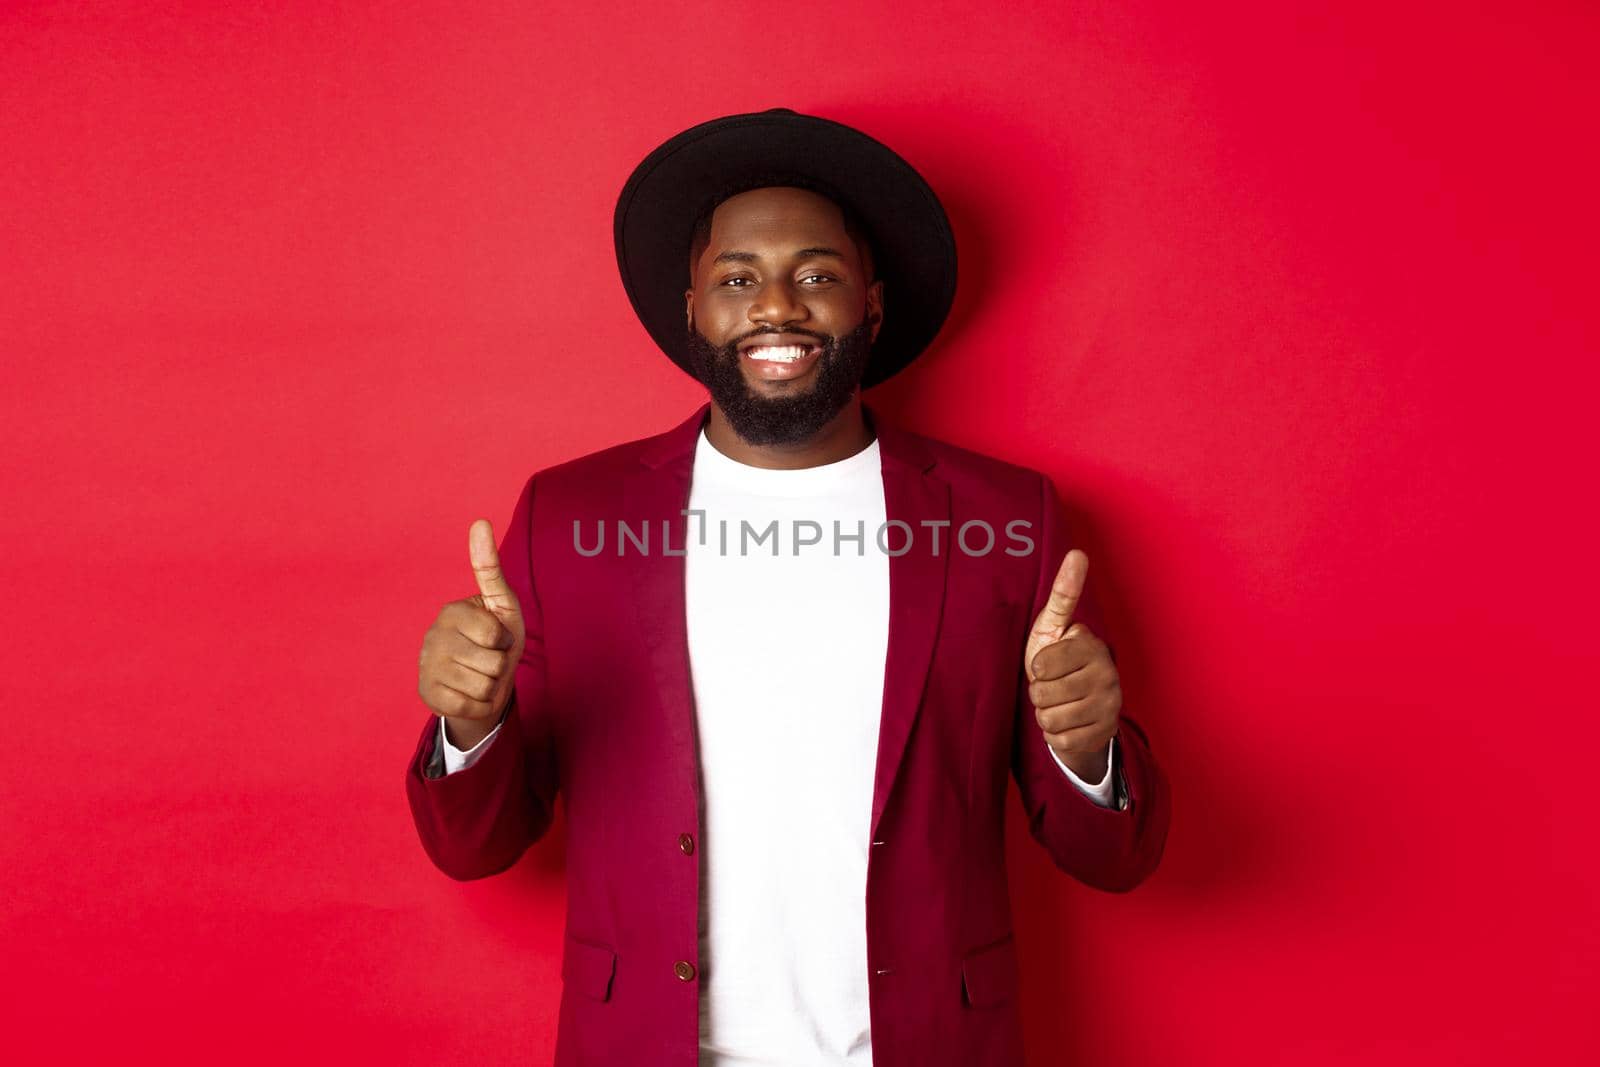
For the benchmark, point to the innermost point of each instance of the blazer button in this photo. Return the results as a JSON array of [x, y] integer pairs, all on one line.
[[684, 970], [686, 842]]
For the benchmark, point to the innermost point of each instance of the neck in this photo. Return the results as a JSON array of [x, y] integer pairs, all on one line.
[[845, 434]]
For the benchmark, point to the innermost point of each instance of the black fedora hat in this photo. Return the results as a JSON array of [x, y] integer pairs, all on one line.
[[914, 250]]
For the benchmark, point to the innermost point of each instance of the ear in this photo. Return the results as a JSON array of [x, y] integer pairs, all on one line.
[[688, 307], [875, 307]]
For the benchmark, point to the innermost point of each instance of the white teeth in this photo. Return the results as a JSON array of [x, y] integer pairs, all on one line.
[[777, 353]]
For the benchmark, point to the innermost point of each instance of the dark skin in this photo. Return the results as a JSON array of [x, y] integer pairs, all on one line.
[[763, 272], [773, 287], [1072, 680]]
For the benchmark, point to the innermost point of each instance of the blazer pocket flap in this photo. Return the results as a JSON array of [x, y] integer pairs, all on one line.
[[588, 968], [989, 974]]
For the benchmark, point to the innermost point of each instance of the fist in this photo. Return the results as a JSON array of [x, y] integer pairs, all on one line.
[[470, 654], [1072, 682]]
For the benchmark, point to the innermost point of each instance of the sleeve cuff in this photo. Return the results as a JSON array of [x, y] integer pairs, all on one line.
[[456, 759], [1102, 792]]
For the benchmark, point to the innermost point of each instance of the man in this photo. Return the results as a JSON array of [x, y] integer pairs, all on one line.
[[780, 660]]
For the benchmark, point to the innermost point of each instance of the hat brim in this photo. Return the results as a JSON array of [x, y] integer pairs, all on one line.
[[913, 247]]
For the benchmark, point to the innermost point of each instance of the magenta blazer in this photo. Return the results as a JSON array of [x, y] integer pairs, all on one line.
[[603, 712]]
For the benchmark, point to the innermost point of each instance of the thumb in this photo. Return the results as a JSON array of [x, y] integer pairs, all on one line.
[[1056, 615], [497, 594]]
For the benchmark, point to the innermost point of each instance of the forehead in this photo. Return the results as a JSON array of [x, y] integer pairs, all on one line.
[[776, 213]]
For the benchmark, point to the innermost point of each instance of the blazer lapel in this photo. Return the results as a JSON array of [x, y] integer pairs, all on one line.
[[916, 592], [657, 492]]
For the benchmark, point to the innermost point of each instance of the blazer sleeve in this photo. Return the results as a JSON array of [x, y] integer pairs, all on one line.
[[479, 820], [1110, 848]]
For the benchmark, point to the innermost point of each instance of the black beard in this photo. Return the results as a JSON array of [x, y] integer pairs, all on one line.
[[792, 418]]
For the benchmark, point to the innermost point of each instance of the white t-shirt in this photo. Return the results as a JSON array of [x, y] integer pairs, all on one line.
[[787, 643], [788, 622]]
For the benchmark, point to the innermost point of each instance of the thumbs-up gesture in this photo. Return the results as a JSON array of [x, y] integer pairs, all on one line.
[[1072, 681], [470, 654]]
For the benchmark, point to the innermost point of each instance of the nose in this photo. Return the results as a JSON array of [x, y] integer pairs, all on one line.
[[777, 303]]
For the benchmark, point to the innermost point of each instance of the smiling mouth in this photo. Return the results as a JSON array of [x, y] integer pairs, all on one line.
[[774, 364], [780, 353]]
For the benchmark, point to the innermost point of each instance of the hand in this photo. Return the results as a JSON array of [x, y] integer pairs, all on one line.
[[1072, 682], [470, 654]]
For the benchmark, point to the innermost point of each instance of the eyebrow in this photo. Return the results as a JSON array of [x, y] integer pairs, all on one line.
[[804, 253]]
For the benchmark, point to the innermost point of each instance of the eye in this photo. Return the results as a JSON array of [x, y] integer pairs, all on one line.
[[808, 277]]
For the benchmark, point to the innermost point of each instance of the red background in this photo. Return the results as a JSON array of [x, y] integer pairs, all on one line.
[[1294, 305]]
